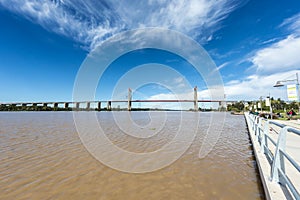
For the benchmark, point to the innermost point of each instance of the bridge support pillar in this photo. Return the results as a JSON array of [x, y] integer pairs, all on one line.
[[129, 99], [55, 105], [99, 106], [77, 105], [88, 105], [109, 105], [66, 105], [195, 99]]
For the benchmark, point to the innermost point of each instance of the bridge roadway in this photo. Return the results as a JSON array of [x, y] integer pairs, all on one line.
[[109, 102], [76, 105]]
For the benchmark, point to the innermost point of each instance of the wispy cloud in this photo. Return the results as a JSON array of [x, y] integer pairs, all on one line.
[[292, 24], [180, 82], [78, 20], [193, 17], [221, 66], [90, 22]]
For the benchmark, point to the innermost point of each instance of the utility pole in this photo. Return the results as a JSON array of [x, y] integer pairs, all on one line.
[[260, 98], [271, 110], [298, 95]]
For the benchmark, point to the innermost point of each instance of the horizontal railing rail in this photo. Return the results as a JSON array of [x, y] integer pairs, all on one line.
[[261, 129]]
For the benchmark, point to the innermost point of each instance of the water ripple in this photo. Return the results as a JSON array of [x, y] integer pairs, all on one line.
[[42, 158]]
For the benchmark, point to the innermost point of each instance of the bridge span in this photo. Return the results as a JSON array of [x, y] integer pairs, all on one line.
[[76, 104]]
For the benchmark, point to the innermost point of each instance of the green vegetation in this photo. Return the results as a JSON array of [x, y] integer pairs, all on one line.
[[11, 107], [278, 106], [236, 107], [31, 108]]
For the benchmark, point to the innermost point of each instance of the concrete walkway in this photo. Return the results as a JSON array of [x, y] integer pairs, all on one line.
[[292, 148], [293, 140], [291, 123]]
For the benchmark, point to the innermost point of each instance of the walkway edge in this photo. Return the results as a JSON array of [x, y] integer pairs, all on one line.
[[272, 190]]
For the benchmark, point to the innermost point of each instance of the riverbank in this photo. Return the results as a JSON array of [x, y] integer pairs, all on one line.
[[12, 108]]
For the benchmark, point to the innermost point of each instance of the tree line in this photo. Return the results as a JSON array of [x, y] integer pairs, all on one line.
[[278, 106]]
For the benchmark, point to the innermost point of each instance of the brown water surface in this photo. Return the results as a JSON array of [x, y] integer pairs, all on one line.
[[42, 157]]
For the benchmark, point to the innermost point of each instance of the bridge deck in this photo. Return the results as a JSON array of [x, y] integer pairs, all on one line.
[[117, 101]]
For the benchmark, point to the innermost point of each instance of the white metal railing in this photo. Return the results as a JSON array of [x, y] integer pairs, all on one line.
[[261, 128]]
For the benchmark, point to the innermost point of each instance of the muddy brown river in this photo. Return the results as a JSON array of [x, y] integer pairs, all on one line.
[[43, 157]]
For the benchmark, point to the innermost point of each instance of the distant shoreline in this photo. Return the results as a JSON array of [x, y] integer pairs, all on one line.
[[44, 108]]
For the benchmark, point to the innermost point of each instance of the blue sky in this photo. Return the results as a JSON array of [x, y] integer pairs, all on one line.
[[43, 44]]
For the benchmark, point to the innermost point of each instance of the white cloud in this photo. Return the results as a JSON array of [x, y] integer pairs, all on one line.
[[202, 95], [283, 55], [278, 61], [279, 57], [255, 86], [233, 82], [90, 22], [178, 80], [170, 96]]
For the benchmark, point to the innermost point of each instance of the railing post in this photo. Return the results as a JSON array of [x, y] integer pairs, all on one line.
[[252, 120], [278, 162], [264, 138], [259, 127], [255, 125]]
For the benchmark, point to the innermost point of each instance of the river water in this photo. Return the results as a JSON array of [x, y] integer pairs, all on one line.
[[42, 157]]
